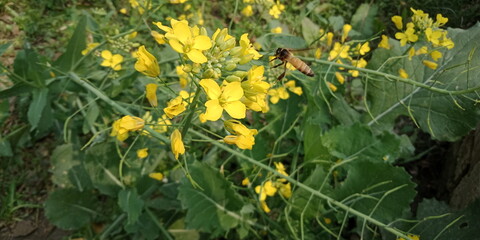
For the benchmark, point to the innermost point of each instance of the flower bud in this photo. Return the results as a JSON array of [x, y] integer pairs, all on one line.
[[233, 78]]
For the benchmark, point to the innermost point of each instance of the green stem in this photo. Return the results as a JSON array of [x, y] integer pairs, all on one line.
[[400, 79], [159, 224], [303, 186], [191, 111], [113, 104]]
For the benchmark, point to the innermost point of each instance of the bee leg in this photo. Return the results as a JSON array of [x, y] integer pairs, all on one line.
[[277, 65], [283, 74], [273, 59]]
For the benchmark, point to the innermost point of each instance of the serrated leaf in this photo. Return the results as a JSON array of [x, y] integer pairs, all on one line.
[[39, 100], [74, 48], [79, 178], [375, 180], [29, 68], [445, 117], [310, 30], [131, 203], [70, 209], [62, 161], [363, 20], [207, 207], [102, 167]]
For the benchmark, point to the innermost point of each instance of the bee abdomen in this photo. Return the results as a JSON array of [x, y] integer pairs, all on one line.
[[302, 67]]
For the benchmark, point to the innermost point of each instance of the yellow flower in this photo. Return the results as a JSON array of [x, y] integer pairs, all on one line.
[[255, 89], [89, 48], [276, 30], [245, 182], [327, 220], [433, 36], [364, 48], [247, 11], [277, 94], [430, 64], [268, 189], [126, 124], [151, 94], [159, 38], [132, 35], [292, 88], [285, 190], [339, 50], [339, 77], [246, 52], [236, 127], [146, 63], [182, 76], [276, 10], [441, 20], [177, 144], [110, 60], [411, 236], [361, 63], [398, 22], [329, 39], [281, 169], [384, 43], [422, 50], [123, 11], [402, 73], [227, 99], [318, 53], [264, 206], [346, 30], [162, 124], [241, 141], [332, 87], [186, 40], [435, 55], [177, 1], [407, 36], [411, 53], [175, 107], [142, 153], [243, 138], [156, 175]]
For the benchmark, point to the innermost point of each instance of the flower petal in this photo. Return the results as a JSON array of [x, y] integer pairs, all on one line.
[[106, 54], [197, 56], [233, 92], [235, 109], [211, 88], [202, 42], [176, 45], [214, 110]]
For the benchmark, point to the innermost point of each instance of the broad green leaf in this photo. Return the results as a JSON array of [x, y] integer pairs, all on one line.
[[303, 202], [79, 178], [445, 117], [62, 161], [35, 110], [29, 68], [357, 140], [377, 189], [15, 90], [101, 163], [74, 48], [310, 30], [288, 41], [345, 114], [178, 230], [70, 209], [131, 203], [337, 23], [144, 228], [208, 206], [363, 20]]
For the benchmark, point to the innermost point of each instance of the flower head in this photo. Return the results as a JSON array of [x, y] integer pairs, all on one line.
[[126, 124], [110, 60], [227, 99], [175, 107], [177, 144], [384, 43], [142, 153], [146, 63], [151, 94], [247, 11]]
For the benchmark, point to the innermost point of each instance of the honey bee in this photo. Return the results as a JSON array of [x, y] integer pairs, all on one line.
[[286, 56]]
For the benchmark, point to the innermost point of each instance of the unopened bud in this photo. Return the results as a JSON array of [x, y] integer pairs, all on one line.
[[233, 78]]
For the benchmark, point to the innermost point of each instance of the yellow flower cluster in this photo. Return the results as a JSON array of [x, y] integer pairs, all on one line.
[[126, 124], [242, 136], [423, 31], [275, 9], [282, 93], [271, 187], [343, 52]]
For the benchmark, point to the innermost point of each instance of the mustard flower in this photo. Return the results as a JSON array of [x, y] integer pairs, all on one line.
[[402, 73], [182, 76], [142, 153], [329, 39], [433, 36], [276, 10], [227, 99], [123, 11], [332, 87], [162, 124], [435, 55], [281, 169], [255, 89], [397, 20], [407, 36], [361, 63], [241, 141], [264, 206], [132, 35], [174, 107], [339, 50], [441, 20], [186, 40], [293, 88], [247, 11], [159, 38], [364, 48], [146, 63], [177, 144], [89, 48], [277, 94], [110, 60], [276, 30], [246, 52], [126, 124], [422, 50], [346, 30], [151, 94], [267, 189], [430, 64], [384, 43], [243, 137], [339, 77], [285, 190], [245, 182], [156, 175], [177, 1], [411, 53]]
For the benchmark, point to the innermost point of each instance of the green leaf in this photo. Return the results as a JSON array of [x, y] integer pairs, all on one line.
[[102, 167], [131, 203], [445, 117], [62, 161], [144, 228], [70, 209], [5, 148], [377, 189], [92, 114], [209, 206], [15, 90], [363, 20], [289, 41], [39, 100], [357, 140], [310, 30], [29, 68], [77, 43], [302, 201], [78, 177], [4, 47]]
